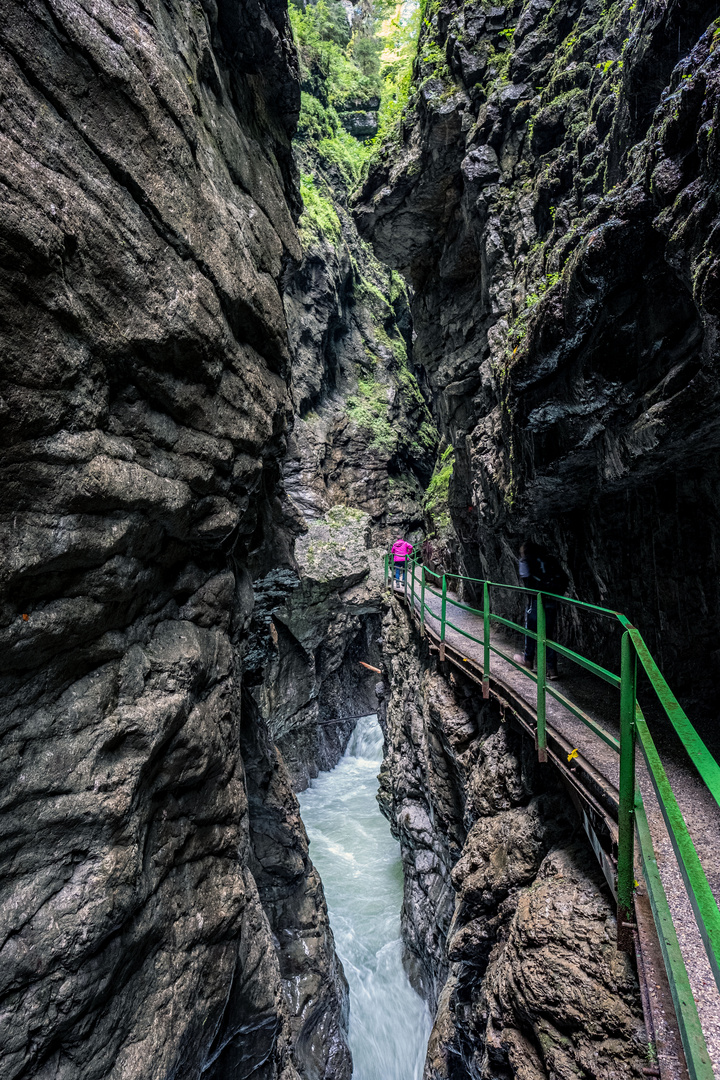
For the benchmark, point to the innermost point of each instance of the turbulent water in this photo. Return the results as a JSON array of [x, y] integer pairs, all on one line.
[[359, 862]]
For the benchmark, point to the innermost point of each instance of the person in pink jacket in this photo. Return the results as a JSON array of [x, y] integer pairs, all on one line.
[[400, 551]]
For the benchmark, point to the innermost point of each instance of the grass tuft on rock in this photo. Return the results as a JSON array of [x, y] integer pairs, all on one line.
[[319, 217]]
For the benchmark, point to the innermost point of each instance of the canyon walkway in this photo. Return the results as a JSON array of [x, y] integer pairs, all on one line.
[[654, 824]]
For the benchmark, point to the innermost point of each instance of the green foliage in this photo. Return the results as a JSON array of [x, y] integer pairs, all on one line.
[[346, 153], [608, 65], [319, 217], [341, 71], [397, 286], [341, 68], [499, 62], [353, 75], [318, 31], [409, 387], [376, 300], [316, 120], [366, 52], [397, 80], [369, 410], [401, 43], [320, 125], [322, 23], [426, 435], [436, 501]]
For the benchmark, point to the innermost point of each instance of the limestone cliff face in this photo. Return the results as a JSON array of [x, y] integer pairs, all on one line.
[[359, 455], [552, 197], [160, 913], [363, 435], [509, 929], [313, 629]]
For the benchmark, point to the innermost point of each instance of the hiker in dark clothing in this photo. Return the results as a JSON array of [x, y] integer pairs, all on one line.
[[540, 571]]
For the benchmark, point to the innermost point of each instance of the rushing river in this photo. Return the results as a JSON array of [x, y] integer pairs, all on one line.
[[359, 863]]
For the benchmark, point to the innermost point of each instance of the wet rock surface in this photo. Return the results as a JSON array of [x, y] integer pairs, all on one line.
[[161, 915], [552, 196], [360, 452], [363, 436], [317, 630], [509, 928]]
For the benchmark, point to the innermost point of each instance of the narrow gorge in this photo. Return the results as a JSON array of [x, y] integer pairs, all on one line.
[[277, 287]]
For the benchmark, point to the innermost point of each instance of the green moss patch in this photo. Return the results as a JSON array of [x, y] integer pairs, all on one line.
[[319, 217]]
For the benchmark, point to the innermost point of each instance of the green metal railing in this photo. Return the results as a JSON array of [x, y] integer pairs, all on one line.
[[634, 732]]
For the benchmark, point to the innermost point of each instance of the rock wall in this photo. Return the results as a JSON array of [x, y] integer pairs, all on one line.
[[363, 436], [509, 928], [313, 633], [552, 197], [360, 452], [160, 914]]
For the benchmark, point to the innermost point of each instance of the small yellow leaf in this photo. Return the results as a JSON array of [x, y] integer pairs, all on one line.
[[25, 617], [572, 754]]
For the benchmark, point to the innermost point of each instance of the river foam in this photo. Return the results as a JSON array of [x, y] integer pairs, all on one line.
[[359, 863]]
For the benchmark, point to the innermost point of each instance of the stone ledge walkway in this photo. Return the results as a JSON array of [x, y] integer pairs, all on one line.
[[602, 703]]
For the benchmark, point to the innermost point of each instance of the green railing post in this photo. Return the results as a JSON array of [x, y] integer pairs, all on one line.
[[442, 618], [422, 601], [626, 810], [387, 571], [541, 680], [486, 640]]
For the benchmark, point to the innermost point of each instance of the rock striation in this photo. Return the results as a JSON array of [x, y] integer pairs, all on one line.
[[359, 455], [509, 928], [552, 197], [313, 631], [161, 916], [363, 436]]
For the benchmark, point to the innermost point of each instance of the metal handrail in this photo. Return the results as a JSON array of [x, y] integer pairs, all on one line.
[[634, 730]]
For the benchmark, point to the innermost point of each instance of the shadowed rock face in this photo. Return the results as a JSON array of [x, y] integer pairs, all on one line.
[[508, 925], [313, 633], [553, 199], [358, 456], [363, 436], [160, 914]]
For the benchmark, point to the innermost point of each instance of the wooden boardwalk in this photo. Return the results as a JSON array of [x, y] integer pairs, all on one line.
[[599, 766]]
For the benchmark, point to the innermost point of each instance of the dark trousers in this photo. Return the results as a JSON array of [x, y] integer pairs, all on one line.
[[400, 569], [531, 624]]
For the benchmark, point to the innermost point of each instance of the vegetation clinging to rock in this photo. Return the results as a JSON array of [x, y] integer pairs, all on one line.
[[319, 216]]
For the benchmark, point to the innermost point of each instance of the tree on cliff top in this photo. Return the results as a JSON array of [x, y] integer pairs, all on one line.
[[353, 67]]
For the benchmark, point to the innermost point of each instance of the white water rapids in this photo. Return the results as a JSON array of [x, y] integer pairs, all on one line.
[[359, 863]]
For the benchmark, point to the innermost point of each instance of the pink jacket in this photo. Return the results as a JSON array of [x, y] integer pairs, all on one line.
[[400, 550]]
